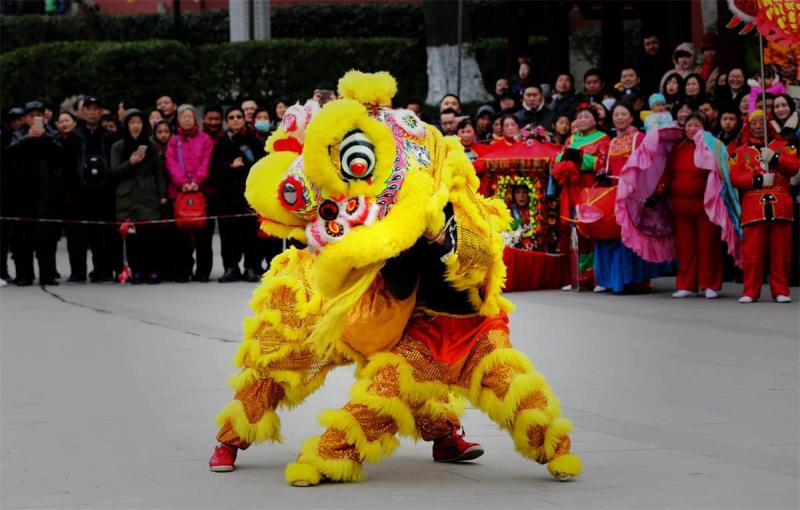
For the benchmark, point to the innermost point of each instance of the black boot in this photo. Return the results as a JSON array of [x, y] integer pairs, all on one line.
[[231, 275], [250, 275]]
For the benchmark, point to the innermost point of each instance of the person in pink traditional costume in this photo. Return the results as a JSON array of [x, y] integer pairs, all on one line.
[[674, 194], [617, 267]]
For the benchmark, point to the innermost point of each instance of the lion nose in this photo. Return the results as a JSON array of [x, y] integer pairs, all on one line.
[[328, 210]]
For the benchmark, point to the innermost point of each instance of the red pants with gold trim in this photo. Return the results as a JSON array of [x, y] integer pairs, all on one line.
[[699, 247], [774, 237], [402, 390]]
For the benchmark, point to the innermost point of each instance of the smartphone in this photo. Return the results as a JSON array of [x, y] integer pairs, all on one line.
[[141, 149], [38, 122]]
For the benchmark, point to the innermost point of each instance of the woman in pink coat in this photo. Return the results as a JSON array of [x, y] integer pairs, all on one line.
[[188, 156]]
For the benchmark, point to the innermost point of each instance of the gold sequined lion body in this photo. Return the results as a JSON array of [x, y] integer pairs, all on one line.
[[379, 197]]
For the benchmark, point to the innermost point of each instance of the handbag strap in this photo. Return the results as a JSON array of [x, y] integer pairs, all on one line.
[[180, 158]]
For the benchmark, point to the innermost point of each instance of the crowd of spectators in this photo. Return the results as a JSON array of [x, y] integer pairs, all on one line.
[[100, 162]]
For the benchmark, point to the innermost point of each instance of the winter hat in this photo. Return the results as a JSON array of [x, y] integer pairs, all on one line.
[[657, 98]]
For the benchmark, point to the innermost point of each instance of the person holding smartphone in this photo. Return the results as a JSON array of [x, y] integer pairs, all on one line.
[[34, 160], [141, 190]]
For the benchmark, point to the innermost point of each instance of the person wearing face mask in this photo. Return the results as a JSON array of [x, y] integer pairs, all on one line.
[[696, 175], [584, 155], [234, 154], [762, 174], [188, 158], [262, 125], [141, 191]]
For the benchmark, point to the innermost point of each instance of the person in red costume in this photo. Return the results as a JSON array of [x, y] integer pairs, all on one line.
[[584, 155], [762, 175], [698, 239]]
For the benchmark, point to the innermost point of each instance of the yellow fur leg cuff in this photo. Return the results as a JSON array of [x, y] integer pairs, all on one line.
[[565, 467], [335, 470], [371, 451], [268, 428]]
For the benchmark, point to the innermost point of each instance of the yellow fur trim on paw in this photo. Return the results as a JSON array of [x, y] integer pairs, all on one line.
[[267, 428], [368, 88], [302, 475], [565, 467], [335, 470]]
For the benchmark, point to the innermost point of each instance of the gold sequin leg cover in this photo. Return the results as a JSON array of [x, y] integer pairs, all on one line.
[[406, 391], [386, 399], [503, 383], [278, 367]]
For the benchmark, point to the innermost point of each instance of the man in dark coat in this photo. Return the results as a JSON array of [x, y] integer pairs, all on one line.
[[35, 190], [234, 154], [90, 196], [534, 112]]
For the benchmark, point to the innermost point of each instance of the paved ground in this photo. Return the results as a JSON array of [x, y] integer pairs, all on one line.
[[109, 395]]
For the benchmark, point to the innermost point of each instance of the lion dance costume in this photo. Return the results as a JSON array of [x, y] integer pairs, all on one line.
[[403, 275]]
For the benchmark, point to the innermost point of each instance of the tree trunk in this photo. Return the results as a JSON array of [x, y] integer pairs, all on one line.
[[441, 30]]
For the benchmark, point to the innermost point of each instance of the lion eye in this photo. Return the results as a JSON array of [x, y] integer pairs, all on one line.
[[357, 156]]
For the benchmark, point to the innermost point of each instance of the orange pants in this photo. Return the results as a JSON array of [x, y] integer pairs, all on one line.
[[775, 237], [699, 247]]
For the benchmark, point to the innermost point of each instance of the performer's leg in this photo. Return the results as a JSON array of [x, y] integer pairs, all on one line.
[[503, 383], [709, 254], [278, 367], [686, 241], [387, 398], [754, 242], [780, 257]]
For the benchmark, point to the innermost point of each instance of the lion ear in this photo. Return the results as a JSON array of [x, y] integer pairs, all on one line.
[[368, 88]]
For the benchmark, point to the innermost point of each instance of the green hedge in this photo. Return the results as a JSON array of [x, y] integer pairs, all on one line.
[[199, 28], [487, 19], [212, 73]]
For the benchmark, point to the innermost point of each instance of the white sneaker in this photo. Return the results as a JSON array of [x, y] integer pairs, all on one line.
[[746, 299], [567, 287], [599, 289], [3, 283], [783, 299], [711, 294], [680, 294]]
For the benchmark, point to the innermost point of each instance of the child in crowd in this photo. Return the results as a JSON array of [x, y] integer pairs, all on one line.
[[658, 116]]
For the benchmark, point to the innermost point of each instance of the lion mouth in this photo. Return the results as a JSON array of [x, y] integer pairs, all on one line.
[[337, 217]]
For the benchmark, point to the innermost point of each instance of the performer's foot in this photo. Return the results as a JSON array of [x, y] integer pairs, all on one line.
[[223, 458], [565, 467], [783, 299], [680, 294], [746, 299], [711, 294], [451, 447], [599, 289], [567, 287]]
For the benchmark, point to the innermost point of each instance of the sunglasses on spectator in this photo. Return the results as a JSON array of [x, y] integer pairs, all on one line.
[[234, 117]]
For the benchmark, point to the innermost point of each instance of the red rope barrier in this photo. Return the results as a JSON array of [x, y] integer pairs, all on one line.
[[118, 223]]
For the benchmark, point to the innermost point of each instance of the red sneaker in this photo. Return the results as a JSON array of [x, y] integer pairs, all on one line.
[[451, 447], [223, 458]]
